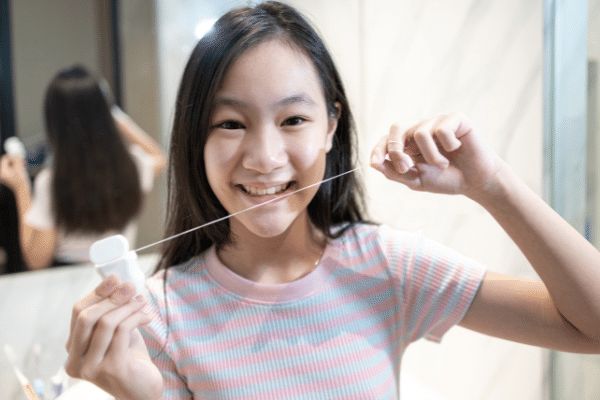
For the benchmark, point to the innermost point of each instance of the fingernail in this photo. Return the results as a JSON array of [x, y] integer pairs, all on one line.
[[140, 298]]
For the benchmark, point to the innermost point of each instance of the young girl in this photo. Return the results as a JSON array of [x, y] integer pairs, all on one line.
[[301, 297], [103, 164]]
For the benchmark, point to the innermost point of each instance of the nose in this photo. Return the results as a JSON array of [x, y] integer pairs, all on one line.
[[264, 150]]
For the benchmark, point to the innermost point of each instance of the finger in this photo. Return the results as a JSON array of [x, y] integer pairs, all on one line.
[[107, 287], [455, 124], [399, 134], [5, 162], [122, 337], [108, 325], [426, 143], [87, 319], [444, 131], [379, 151]]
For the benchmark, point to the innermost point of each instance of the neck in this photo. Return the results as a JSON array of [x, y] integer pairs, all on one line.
[[279, 259]]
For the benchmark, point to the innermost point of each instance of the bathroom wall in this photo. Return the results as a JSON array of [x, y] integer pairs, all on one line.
[[410, 60]]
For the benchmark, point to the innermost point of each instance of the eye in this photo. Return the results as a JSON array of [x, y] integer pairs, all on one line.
[[229, 125], [293, 121]]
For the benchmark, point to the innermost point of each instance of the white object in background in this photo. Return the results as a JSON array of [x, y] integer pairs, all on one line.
[[112, 256], [84, 390], [27, 388], [13, 145]]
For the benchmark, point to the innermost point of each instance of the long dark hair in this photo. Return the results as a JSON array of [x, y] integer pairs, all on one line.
[[95, 185], [191, 201]]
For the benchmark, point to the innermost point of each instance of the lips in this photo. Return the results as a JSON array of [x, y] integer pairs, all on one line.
[[262, 191]]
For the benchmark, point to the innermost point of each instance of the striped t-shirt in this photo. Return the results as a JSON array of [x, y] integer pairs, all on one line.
[[339, 332]]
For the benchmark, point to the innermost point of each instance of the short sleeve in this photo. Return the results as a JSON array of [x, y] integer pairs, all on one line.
[[437, 284], [155, 336], [40, 214], [145, 166]]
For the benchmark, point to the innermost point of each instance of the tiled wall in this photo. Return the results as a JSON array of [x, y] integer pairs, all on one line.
[[409, 60]]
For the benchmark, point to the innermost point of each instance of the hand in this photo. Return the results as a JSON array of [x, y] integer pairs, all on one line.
[[441, 155], [13, 172], [105, 347]]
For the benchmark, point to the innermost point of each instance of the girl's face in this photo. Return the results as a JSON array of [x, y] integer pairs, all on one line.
[[270, 134]]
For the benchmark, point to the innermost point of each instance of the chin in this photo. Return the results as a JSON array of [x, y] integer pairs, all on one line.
[[268, 226]]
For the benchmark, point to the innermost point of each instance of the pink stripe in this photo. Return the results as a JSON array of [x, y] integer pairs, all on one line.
[[235, 306], [290, 333], [338, 342], [233, 343], [289, 372]]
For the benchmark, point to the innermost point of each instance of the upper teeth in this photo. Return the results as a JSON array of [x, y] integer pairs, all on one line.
[[262, 192]]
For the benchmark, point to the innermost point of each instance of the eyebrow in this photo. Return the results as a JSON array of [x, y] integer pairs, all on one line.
[[294, 99]]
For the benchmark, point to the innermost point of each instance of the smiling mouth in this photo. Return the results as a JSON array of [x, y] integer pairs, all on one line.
[[253, 191]]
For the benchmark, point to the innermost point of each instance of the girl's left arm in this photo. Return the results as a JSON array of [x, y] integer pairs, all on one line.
[[37, 246], [446, 155], [134, 134]]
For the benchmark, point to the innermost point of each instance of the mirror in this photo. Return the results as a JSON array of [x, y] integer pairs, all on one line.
[[48, 36]]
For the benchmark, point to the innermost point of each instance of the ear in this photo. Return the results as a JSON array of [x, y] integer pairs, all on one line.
[[332, 126]]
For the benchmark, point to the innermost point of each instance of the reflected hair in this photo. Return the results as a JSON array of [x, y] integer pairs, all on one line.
[[95, 185], [191, 201]]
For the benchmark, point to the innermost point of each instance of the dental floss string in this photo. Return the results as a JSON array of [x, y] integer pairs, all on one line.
[[247, 209]]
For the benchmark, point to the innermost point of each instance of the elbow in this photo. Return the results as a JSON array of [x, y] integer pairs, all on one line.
[[37, 256], [34, 263], [589, 341], [160, 163]]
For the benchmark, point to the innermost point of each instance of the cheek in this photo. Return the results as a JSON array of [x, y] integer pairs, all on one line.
[[217, 156], [310, 149]]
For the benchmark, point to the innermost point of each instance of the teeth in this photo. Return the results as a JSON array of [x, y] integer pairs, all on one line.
[[261, 192]]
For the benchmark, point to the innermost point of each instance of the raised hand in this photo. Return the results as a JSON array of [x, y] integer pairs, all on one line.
[[105, 347], [13, 172], [442, 155]]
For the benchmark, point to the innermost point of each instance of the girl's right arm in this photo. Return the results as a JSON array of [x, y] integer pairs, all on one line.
[[105, 347]]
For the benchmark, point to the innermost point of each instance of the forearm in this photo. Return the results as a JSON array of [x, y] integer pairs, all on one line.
[[132, 133], [23, 202], [568, 264], [37, 247]]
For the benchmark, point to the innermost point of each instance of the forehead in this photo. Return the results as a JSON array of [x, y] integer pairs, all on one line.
[[272, 69]]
